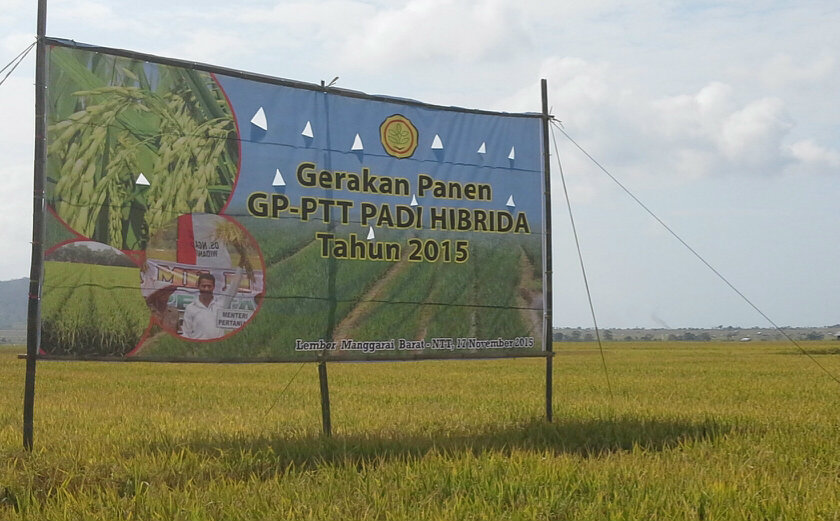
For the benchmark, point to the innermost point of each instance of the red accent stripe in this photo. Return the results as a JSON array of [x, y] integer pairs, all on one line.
[[186, 240], [238, 143]]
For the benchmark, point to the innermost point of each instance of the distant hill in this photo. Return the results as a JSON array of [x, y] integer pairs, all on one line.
[[13, 303]]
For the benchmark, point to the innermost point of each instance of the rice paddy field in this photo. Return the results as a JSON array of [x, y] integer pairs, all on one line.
[[706, 431]]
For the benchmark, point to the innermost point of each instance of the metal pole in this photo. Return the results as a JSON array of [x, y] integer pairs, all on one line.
[[36, 273], [548, 327], [325, 399]]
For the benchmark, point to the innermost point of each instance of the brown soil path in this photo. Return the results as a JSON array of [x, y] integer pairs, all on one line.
[[367, 302]]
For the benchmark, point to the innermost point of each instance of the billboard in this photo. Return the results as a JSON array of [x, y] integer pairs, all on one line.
[[200, 213]]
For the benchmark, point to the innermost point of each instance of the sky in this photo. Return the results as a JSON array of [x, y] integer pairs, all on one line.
[[721, 117]]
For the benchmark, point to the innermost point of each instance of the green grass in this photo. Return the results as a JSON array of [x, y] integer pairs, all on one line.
[[711, 431], [91, 310]]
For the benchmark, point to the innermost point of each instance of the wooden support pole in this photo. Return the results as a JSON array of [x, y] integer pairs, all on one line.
[[36, 273], [547, 276], [325, 399]]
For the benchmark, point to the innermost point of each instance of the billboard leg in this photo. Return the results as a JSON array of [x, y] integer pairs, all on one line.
[[549, 407], [36, 274], [325, 399], [548, 324], [29, 401], [331, 272]]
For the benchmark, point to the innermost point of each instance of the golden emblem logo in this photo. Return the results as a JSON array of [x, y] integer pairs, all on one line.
[[399, 136]]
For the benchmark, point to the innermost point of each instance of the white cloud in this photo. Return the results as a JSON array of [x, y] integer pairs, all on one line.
[[714, 131], [424, 31], [690, 135], [784, 69], [811, 153], [14, 219], [209, 46], [17, 104], [753, 135], [692, 116], [576, 83], [16, 172], [316, 19], [87, 11], [15, 10]]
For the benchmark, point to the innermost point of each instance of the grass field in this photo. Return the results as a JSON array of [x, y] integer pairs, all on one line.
[[91, 310], [707, 431]]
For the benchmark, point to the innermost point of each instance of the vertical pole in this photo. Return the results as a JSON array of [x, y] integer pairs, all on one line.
[[548, 327], [326, 420], [325, 399], [331, 261], [36, 272]]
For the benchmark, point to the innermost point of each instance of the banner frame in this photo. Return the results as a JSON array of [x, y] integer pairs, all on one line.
[[321, 88], [39, 209]]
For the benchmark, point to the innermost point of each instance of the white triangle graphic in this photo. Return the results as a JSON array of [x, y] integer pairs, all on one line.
[[357, 144], [141, 180], [371, 235], [307, 130], [512, 154], [414, 200], [278, 179], [437, 144], [259, 119], [510, 201], [482, 149]]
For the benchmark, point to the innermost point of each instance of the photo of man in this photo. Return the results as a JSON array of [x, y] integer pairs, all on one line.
[[202, 278], [200, 314]]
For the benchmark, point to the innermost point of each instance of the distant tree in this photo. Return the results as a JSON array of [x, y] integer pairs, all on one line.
[[813, 335], [83, 254], [588, 337], [607, 334]]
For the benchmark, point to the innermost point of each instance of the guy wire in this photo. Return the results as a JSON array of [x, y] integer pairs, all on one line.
[[700, 258], [582, 268], [280, 395], [16, 60]]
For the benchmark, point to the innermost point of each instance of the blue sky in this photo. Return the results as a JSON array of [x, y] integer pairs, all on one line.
[[721, 116]]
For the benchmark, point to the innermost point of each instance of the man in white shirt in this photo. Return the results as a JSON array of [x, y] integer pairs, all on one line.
[[200, 314]]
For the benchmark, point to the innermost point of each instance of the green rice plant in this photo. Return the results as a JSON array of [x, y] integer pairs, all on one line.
[[501, 265], [112, 118], [474, 299], [398, 310], [279, 238], [91, 310]]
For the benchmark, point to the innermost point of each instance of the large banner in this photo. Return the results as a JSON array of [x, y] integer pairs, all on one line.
[[197, 213]]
